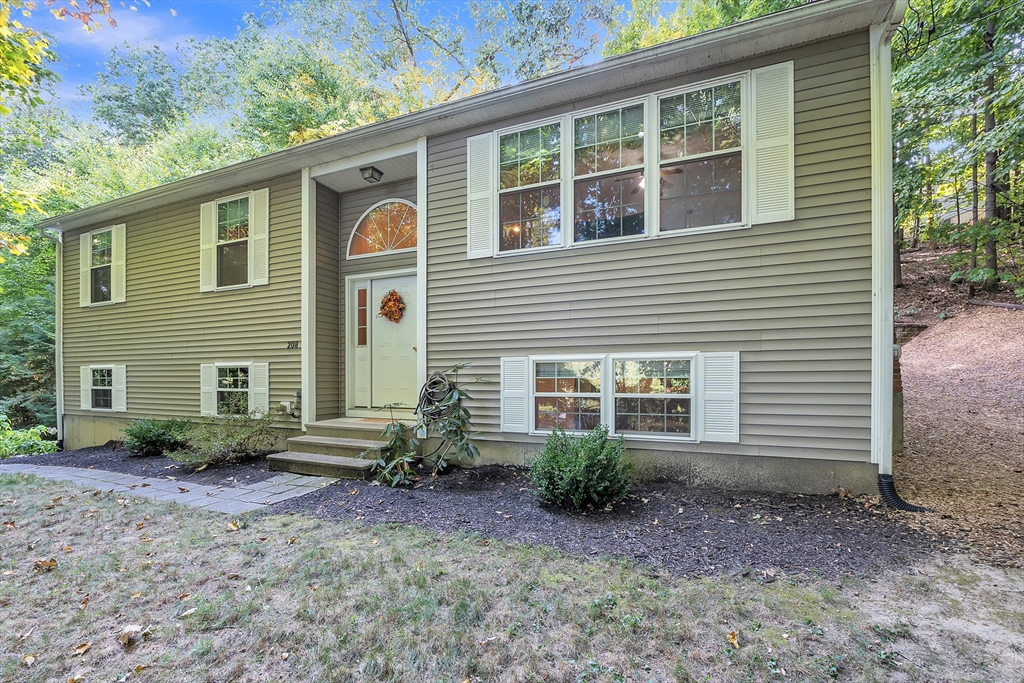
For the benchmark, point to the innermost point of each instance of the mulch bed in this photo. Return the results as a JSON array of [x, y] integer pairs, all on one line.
[[668, 526], [115, 459]]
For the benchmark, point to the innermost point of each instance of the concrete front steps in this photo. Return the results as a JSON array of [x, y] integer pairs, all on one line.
[[331, 448]]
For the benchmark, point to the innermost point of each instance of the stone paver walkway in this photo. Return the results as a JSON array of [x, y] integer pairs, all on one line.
[[232, 500]]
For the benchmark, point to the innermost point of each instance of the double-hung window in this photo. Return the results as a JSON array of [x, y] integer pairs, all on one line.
[[102, 266], [720, 153], [680, 396], [234, 242], [104, 388], [234, 388], [530, 199]]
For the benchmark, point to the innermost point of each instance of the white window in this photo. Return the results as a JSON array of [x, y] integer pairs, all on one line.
[[234, 241], [664, 396], [385, 228], [234, 388], [103, 388], [721, 152], [102, 266]]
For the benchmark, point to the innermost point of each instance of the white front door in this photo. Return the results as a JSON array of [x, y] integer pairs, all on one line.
[[385, 362]]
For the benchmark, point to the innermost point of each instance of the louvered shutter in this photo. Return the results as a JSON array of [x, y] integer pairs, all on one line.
[[120, 389], [84, 274], [259, 237], [720, 397], [259, 387], [207, 389], [208, 247], [772, 174], [514, 394], [117, 264], [85, 383], [480, 186]]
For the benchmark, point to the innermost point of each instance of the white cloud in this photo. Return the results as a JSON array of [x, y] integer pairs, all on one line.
[[132, 27]]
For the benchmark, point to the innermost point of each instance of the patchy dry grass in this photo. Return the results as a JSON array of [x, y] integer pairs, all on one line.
[[296, 599]]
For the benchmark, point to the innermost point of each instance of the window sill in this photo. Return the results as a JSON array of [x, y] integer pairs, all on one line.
[[101, 304], [703, 231], [629, 436], [232, 288]]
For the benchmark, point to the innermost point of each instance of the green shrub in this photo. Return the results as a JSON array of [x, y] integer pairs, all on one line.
[[155, 437], [574, 472], [229, 438], [25, 441]]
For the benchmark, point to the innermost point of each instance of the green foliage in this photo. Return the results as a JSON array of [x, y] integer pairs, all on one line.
[[574, 472], [150, 436], [451, 422], [229, 438], [25, 441], [395, 462]]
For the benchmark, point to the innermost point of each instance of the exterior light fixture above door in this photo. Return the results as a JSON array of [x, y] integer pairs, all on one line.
[[371, 174]]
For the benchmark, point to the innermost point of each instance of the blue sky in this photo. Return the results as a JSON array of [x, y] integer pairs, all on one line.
[[163, 22]]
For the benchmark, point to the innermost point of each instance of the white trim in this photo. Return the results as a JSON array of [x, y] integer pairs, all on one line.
[[248, 365], [249, 240], [117, 234], [361, 159], [421, 261], [307, 332], [113, 371], [882, 248], [350, 330], [352, 233], [58, 341]]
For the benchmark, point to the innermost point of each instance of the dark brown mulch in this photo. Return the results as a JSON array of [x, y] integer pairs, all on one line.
[[119, 460], [665, 525]]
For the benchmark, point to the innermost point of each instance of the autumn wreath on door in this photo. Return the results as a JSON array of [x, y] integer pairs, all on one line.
[[391, 306]]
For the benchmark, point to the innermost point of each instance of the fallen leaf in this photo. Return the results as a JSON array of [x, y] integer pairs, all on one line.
[[67, 549], [233, 526], [46, 565], [77, 678], [186, 613], [182, 489], [85, 602], [137, 595], [10, 525], [202, 467], [145, 539], [82, 649], [131, 634], [733, 640], [140, 668], [292, 540], [144, 485], [353, 492], [139, 525], [232, 576], [284, 656], [184, 596], [58, 499], [9, 572], [28, 660], [25, 635]]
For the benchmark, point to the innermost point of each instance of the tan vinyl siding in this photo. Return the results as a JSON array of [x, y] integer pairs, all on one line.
[[330, 401], [794, 298], [167, 327], [353, 206]]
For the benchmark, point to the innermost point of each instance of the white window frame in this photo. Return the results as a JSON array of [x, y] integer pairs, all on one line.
[[216, 387], [116, 265], [651, 167], [255, 263], [393, 200], [118, 388], [607, 394], [217, 243]]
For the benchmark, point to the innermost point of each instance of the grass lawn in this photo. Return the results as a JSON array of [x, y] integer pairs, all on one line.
[[290, 598]]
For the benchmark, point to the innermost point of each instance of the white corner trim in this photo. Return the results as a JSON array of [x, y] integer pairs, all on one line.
[[421, 261], [59, 335], [882, 246], [307, 333]]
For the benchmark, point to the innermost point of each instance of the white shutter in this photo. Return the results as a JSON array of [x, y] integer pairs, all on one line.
[[84, 263], [117, 264], [120, 392], [259, 237], [259, 387], [720, 397], [208, 247], [86, 385], [771, 173], [481, 173], [515, 377], [207, 389]]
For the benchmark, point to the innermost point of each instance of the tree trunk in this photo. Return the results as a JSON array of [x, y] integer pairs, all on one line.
[[974, 205], [897, 247], [991, 157]]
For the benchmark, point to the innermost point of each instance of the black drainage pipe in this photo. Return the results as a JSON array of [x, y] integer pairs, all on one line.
[[887, 489]]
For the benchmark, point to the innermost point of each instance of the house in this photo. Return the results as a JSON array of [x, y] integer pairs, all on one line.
[[735, 325]]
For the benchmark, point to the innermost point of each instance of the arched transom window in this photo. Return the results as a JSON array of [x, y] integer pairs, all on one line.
[[388, 226]]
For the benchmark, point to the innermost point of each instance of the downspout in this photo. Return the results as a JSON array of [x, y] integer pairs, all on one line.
[[882, 334], [58, 341]]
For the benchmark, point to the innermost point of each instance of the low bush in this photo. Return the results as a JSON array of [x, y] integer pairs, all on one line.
[[154, 437], [230, 438], [29, 441], [574, 472]]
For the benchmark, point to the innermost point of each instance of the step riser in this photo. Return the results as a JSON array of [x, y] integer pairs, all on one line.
[[347, 451], [317, 469]]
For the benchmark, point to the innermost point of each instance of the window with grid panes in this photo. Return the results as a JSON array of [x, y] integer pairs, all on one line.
[[233, 242], [608, 171], [233, 390], [701, 182], [653, 396], [567, 394], [100, 266], [102, 388], [530, 200]]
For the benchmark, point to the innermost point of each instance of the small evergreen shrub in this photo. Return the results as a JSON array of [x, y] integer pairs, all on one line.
[[31, 441], [229, 438], [574, 472], [154, 437]]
